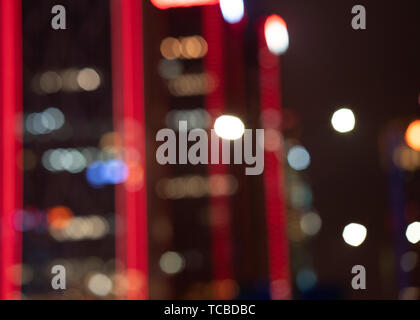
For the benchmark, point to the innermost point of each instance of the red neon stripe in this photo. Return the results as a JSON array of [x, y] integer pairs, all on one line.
[[215, 104], [270, 87], [129, 109], [10, 147], [165, 4]]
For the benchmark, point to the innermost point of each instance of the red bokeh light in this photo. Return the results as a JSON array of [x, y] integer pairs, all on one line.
[[165, 4]]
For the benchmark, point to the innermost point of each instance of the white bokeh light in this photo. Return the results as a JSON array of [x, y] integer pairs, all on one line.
[[354, 234], [413, 232], [229, 127], [100, 284], [88, 79], [343, 120], [232, 10], [171, 262], [276, 35], [310, 223]]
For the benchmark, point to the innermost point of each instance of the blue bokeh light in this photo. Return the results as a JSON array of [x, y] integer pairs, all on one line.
[[99, 173]]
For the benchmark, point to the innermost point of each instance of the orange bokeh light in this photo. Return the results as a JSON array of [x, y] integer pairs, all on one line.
[[412, 135], [59, 217], [273, 19], [136, 175]]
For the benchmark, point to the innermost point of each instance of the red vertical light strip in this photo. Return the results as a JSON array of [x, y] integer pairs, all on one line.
[[215, 105], [129, 115], [10, 147], [270, 91]]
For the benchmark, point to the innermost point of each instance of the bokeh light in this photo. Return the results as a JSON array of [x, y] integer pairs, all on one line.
[[276, 35], [298, 158], [187, 85], [45, 122], [171, 262], [306, 279], [70, 160], [50, 82], [100, 173], [311, 223], [192, 47], [343, 120], [413, 232], [412, 135], [88, 79], [195, 186], [82, 228], [229, 127], [406, 158], [59, 217], [233, 10], [100, 284], [354, 234]]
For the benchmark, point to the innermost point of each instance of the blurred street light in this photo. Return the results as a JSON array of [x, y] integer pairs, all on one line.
[[343, 120], [354, 234], [232, 10], [276, 35], [298, 158], [413, 232], [412, 135], [229, 127]]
